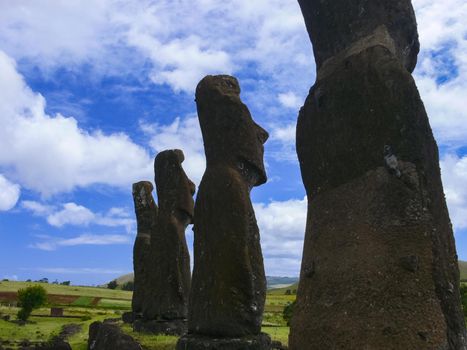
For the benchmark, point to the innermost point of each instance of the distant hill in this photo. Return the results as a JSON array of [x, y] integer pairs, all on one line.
[[463, 270], [272, 281], [282, 290], [281, 284], [125, 278]]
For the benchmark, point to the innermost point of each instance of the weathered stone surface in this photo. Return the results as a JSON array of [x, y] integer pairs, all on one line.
[[170, 260], [253, 342], [169, 327], [108, 336], [334, 25], [379, 267], [128, 317], [229, 285], [146, 214]]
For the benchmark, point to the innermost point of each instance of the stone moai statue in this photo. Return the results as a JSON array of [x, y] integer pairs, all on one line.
[[146, 214], [229, 285], [379, 267], [166, 306]]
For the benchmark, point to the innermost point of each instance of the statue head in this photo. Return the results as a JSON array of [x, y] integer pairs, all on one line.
[[145, 207], [230, 135], [335, 25], [174, 189]]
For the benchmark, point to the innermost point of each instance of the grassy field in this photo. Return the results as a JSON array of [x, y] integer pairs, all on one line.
[[89, 304], [95, 292]]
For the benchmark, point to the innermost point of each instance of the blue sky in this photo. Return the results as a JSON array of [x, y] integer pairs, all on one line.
[[89, 95]]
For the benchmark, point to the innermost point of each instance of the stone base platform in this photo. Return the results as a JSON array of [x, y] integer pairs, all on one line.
[[128, 317], [198, 342], [168, 327]]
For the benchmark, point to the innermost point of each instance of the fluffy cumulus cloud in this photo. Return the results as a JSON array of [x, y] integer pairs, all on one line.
[[52, 154], [442, 69], [78, 215], [282, 140], [282, 227], [212, 37], [290, 100], [9, 193]]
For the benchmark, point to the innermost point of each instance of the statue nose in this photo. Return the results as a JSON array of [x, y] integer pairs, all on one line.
[[192, 187], [263, 135]]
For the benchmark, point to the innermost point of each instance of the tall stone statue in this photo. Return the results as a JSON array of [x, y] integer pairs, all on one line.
[[165, 306], [146, 214], [379, 267], [228, 288]]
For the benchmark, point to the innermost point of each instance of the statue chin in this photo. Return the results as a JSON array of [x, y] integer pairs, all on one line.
[[250, 172], [183, 216]]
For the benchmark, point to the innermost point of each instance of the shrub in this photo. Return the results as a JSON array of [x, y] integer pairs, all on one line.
[[30, 298], [65, 283], [112, 284], [128, 286], [288, 312]]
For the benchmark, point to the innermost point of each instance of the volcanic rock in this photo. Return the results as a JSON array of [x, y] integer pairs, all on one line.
[[170, 260], [229, 285], [379, 267], [108, 336], [146, 214], [334, 26]]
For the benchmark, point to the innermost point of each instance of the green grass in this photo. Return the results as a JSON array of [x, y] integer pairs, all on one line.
[[278, 333], [153, 342], [43, 328], [115, 304], [83, 301], [97, 292], [39, 328]]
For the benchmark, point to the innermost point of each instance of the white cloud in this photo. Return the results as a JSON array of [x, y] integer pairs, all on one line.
[[441, 74], [440, 21], [58, 34], [78, 215], [52, 154], [115, 37], [37, 208], [282, 229], [290, 100], [71, 214], [454, 174], [49, 243], [445, 106], [184, 134], [282, 136], [182, 63], [9, 194]]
